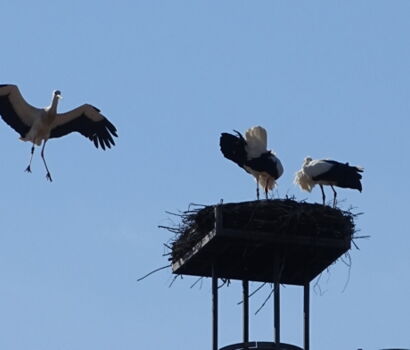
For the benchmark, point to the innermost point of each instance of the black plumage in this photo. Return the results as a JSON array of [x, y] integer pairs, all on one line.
[[342, 175], [10, 116], [99, 132]]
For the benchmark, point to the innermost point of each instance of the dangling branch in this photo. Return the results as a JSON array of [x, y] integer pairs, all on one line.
[[266, 300], [199, 279], [349, 264], [174, 279], [253, 293], [316, 287]]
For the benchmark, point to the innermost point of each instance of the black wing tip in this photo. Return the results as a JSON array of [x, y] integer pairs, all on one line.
[[96, 109], [110, 126], [103, 138], [224, 136], [357, 185], [227, 135], [239, 135]]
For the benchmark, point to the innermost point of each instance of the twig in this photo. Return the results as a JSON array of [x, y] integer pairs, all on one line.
[[171, 229], [195, 205], [253, 293], [150, 273], [173, 280], [348, 274], [266, 300], [348, 263], [174, 214], [226, 281], [359, 237], [316, 287], [199, 279]]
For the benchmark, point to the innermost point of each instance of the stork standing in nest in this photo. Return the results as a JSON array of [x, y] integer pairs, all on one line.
[[251, 154], [328, 172], [37, 125]]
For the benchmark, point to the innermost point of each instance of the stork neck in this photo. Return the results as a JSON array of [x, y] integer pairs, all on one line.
[[53, 106]]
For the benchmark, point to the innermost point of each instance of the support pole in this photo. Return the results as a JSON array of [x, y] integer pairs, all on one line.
[[214, 309], [276, 299], [306, 315], [245, 288]]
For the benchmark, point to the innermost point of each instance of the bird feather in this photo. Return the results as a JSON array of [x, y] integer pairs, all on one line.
[[257, 141], [88, 121], [15, 111]]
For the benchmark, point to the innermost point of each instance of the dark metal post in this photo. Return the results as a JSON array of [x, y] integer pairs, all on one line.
[[276, 299], [214, 309], [306, 315], [245, 287]]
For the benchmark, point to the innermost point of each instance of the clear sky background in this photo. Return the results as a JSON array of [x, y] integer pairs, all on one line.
[[325, 78]]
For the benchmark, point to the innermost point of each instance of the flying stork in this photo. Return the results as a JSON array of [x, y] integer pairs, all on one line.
[[251, 154], [39, 124], [328, 172]]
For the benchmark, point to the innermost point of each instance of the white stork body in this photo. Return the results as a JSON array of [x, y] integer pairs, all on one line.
[[326, 172], [39, 124], [251, 154]]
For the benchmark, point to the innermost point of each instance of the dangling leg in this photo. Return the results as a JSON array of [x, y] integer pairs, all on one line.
[[323, 195], [334, 196], [28, 169], [48, 175]]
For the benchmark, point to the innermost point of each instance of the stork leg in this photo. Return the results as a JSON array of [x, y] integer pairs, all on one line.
[[323, 195], [28, 169], [334, 196], [257, 188], [267, 185], [48, 175]]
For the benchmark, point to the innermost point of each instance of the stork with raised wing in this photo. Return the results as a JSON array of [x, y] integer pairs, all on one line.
[[37, 125], [251, 154]]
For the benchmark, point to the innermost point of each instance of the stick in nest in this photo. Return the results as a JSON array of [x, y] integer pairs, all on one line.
[[153, 271]]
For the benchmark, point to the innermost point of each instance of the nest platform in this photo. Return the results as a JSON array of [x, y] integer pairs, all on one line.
[[279, 240]]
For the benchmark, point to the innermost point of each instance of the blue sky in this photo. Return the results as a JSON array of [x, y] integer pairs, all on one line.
[[325, 78]]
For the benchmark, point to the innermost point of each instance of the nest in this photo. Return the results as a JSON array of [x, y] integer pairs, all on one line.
[[278, 217]]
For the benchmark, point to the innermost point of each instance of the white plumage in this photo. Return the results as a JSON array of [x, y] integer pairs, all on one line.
[[251, 154], [256, 141], [37, 125], [330, 173]]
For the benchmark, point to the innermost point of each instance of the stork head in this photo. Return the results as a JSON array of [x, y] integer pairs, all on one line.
[[306, 161], [57, 93]]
